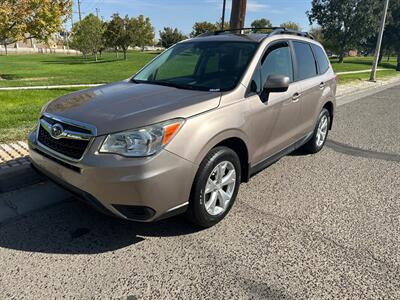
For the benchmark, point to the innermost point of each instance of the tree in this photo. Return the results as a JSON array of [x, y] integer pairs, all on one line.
[[169, 37], [345, 23], [87, 35], [317, 33], [291, 25], [392, 32], [143, 32], [203, 27], [219, 25], [119, 33], [260, 23], [31, 19]]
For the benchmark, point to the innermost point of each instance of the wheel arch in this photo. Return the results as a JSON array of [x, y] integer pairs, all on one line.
[[330, 107], [234, 140]]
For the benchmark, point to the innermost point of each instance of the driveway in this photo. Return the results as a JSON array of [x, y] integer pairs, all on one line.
[[323, 226]]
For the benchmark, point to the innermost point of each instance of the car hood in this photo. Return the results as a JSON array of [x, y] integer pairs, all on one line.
[[127, 105]]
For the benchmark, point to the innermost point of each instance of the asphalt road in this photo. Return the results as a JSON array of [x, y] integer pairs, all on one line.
[[309, 227]]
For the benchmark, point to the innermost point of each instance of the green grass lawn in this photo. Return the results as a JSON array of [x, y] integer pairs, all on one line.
[[362, 63], [39, 69], [349, 78], [19, 111]]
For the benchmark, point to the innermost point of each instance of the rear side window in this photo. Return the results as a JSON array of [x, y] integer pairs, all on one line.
[[306, 66], [322, 60]]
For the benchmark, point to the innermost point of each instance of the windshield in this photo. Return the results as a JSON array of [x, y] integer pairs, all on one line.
[[207, 66]]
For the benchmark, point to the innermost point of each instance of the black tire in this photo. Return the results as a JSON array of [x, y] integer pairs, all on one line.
[[197, 212], [312, 146]]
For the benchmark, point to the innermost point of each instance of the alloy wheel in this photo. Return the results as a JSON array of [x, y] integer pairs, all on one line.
[[220, 188]]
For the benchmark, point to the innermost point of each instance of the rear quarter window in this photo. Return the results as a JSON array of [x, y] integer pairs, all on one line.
[[322, 60], [306, 65]]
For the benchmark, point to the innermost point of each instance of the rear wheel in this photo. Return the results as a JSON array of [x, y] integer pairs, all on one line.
[[320, 134], [215, 187]]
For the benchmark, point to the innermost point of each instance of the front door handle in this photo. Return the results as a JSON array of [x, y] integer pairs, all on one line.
[[296, 97]]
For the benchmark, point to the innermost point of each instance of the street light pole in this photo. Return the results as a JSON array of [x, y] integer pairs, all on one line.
[[379, 43], [223, 16]]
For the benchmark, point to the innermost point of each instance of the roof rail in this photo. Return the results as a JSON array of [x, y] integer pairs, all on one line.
[[293, 32], [275, 31], [218, 32]]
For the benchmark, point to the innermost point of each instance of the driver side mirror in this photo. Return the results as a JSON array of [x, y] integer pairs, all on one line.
[[277, 84]]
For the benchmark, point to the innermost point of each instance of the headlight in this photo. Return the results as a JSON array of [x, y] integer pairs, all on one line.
[[141, 142]]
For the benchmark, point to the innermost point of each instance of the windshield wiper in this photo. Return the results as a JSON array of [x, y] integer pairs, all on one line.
[[171, 84]]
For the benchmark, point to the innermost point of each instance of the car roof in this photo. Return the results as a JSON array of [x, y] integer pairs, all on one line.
[[231, 37], [235, 36]]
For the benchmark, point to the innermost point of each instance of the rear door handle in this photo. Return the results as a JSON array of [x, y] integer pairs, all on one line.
[[296, 97], [322, 85]]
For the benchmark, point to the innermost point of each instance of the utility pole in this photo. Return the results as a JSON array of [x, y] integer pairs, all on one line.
[[379, 43], [79, 10], [97, 12], [223, 16], [72, 15], [238, 14]]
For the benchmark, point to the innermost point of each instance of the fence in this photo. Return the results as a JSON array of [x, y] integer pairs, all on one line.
[[23, 50]]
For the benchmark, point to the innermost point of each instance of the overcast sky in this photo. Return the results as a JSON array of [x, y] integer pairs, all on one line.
[[183, 13]]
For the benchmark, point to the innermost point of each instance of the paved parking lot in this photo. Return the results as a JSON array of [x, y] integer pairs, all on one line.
[[321, 227]]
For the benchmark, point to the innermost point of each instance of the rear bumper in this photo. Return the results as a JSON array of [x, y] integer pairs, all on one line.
[[140, 189]]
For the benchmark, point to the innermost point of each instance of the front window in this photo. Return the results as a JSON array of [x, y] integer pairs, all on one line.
[[207, 66]]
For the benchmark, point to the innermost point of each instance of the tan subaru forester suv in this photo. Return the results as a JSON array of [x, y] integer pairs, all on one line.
[[184, 132]]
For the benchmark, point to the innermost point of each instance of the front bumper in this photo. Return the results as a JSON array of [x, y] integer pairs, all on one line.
[[140, 189]]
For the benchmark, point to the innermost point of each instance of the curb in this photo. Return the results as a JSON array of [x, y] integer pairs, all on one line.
[[24, 190], [29, 199], [357, 95], [15, 178]]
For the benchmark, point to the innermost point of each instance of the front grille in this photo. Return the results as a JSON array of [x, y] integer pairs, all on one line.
[[68, 147], [67, 126]]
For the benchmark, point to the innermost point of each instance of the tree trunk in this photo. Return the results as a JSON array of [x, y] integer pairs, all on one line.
[[398, 61], [95, 56], [341, 56], [5, 48], [381, 56], [125, 55], [388, 57]]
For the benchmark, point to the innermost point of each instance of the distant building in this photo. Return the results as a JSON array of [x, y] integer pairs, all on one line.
[[353, 53], [57, 43]]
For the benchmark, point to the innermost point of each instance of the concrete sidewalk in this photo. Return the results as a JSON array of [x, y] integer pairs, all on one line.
[[48, 87], [14, 154], [360, 71]]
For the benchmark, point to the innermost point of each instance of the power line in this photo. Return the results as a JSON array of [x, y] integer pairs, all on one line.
[[223, 15], [79, 10]]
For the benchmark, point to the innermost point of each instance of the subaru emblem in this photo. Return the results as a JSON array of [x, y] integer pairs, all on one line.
[[57, 130]]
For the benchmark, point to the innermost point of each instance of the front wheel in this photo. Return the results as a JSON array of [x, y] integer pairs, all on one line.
[[215, 187], [320, 134]]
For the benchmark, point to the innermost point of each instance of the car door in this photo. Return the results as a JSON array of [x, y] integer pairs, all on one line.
[[274, 116], [312, 85]]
